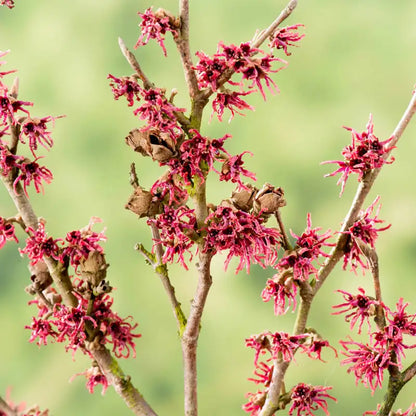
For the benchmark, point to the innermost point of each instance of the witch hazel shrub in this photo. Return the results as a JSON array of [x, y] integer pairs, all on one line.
[[70, 280]]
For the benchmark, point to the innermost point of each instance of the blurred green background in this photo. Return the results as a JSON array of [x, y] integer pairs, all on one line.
[[357, 57]]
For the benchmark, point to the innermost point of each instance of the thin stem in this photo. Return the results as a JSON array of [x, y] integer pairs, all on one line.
[[131, 59], [286, 243], [160, 268], [284, 14], [191, 334], [121, 383], [182, 43]]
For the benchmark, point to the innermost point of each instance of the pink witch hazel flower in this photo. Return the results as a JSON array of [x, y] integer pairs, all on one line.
[[243, 235], [232, 101], [197, 156], [36, 130], [94, 377], [232, 170], [284, 37], [178, 229], [241, 60], [367, 363], [159, 112], [278, 344], [7, 232], [31, 172], [209, 70], [10, 105], [154, 25], [308, 250], [80, 243], [399, 324], [116, 330], [307, 399], [125, 87], [38, 244], [156, 109], [362, 232], [358, 308], [366, 152], [282, 288]]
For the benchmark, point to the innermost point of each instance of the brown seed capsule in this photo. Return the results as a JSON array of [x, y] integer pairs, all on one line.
[[41, 279], [244, 199], [141, 203], [159, 146], [269, 199], [93, 269]]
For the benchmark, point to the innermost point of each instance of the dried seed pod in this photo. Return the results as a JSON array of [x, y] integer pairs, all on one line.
[[244, 198], [142, 203], [159, 146], [94, 268], [269, 199], [41, 279]]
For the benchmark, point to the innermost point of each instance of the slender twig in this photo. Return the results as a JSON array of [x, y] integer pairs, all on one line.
[[286, 243], [182, 43], [160, 268], [372, 258], [284, 14], [191, 334], [131, 59]]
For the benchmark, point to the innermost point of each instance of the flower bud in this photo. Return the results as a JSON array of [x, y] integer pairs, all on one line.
[[269, 199], [93, 268], [142, 203], [159, 146]]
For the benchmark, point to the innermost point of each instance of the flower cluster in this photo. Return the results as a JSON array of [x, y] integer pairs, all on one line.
[[80, 243], [253, 64], [282, 346], [366, 152], [6, 232], [386, 346], [178, 231], [39, 244], [154, 25], [243, 235], [29, 130], [77, 246], [363, 232], [156, 110], [76, 325], [308, 250], [197, 156]]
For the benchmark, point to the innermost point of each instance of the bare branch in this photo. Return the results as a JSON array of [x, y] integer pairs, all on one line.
[[182, 43], [131, 59]]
